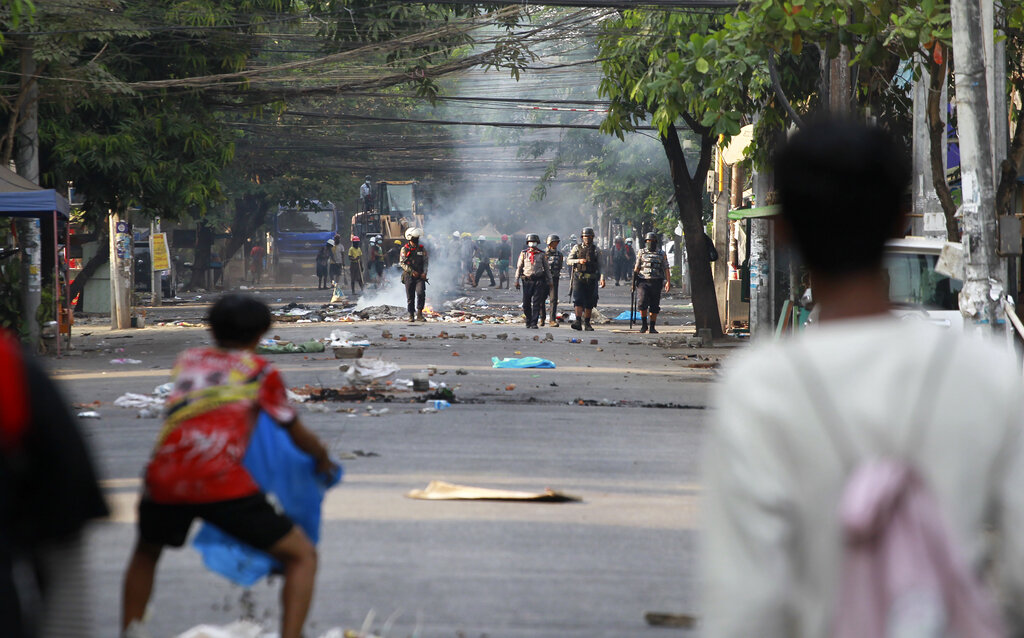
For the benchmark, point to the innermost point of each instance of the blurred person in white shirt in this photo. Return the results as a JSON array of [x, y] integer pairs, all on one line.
[[772, 547]]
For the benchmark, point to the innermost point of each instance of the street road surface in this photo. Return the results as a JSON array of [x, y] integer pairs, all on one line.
[[446, 569]]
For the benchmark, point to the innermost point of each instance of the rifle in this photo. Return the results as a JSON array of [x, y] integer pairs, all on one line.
[[632, 303]]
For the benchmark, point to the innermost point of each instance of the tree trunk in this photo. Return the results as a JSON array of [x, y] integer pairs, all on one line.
[[89, 269], [1008, 171], [201, 260], [937, 135], [250, 213], [688, 197]]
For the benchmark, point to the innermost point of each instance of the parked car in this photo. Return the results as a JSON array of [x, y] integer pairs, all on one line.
[[144, 274], [917, 291]]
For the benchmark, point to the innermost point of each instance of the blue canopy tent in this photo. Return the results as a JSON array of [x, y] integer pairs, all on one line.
[[21, 198]]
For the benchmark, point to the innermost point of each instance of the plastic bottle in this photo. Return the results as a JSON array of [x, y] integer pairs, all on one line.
[[440, 404]]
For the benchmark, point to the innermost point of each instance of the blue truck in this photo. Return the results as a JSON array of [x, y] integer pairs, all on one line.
[[298, 233]]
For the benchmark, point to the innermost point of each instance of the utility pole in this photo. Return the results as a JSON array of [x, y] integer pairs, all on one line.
[[120, 272], [983, 285], [27, 164], [760, 265], [720, 230]]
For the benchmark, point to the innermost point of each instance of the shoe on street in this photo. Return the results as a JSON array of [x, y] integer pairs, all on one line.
[[653, 331], [588, 327], [575, 325]]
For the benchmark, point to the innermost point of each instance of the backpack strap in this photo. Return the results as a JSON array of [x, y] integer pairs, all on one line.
[[920, 415]]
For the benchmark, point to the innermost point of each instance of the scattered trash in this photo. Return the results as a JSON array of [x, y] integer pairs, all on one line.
[[371, 411], [510, 387], [593, 342], [455, 354], [442, 491], [420, 382], [163, 389], [575, 340], [366, 371], [345, 339], [461, 372], [319, 408], [125, 361], [237, 629], [89, 414], [659, 619], [386, 334], [524, 362], [440, 404], [428, 411], [624, 316], [442, 393], [274, 346]]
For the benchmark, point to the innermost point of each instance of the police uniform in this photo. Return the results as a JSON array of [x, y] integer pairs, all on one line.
[[588, 275], [414, 262], [555, 263], [650, 280], [532, 269]]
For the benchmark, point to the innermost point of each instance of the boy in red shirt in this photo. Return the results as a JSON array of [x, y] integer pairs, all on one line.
[[196, 469]]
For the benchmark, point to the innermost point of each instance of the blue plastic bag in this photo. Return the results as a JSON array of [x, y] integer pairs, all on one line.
[[624, 316], [525, 362], [284, 471]]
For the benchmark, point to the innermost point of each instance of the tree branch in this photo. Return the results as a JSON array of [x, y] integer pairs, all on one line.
[[936, 136], [773, 73]]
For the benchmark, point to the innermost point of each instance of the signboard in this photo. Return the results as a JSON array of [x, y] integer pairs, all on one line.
[[158, 250]]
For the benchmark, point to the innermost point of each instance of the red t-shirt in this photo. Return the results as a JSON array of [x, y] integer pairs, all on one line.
[[210, 416]]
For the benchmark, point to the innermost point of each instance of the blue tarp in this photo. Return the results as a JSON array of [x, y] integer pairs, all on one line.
[[624, 316], [525, 362], [21, 198], [284, 471]]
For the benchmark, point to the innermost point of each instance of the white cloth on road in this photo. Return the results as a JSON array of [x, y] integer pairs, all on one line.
[[771, 542]]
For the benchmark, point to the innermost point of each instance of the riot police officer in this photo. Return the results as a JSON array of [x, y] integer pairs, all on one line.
[[532, 269], [651, 275], [414, 261], [585, 260], [555, 262]]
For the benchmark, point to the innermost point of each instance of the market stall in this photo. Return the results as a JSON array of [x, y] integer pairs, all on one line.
[[21, 198]]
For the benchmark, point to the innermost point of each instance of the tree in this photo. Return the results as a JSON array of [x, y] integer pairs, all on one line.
[[662, 66]]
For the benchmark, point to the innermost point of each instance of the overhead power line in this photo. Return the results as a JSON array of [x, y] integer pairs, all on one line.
[[409, 120]]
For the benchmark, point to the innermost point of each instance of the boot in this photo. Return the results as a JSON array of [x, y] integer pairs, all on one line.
[[643, 326], [412, 317], [575, 325], [420, 317], [541, 319], [587, 326], [654, 320], [554, 321]]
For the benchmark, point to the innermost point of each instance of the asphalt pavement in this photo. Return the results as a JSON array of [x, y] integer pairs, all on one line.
[[617, 423]]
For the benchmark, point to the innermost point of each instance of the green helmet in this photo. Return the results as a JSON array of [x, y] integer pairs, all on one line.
[[587, 232]]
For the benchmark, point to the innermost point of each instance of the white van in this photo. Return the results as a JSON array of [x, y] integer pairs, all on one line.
[[916, 291]]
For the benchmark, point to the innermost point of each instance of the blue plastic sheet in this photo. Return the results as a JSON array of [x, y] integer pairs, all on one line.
[[624, 316], [287, 473], [525, 362]]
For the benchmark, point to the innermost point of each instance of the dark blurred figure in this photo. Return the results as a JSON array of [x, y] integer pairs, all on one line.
[[796, 417], [48, 491]]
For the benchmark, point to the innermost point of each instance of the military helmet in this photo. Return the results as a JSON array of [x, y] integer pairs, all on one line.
[[588, 232], [552, 238], [573, 237], [618, 238], [651, 237], [534, 237]]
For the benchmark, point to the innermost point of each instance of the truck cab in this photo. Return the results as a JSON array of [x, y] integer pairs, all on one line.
[[916, 290], [299, 232], [393, 211]]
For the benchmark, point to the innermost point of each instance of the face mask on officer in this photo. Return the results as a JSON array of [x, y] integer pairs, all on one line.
[[531, 244]]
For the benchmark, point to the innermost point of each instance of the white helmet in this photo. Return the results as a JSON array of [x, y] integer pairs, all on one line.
[[414, 232], [481, 238], [456, 234]]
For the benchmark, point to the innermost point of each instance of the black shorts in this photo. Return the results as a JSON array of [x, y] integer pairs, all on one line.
[[649, 294], [250, 519], [584, 294]]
